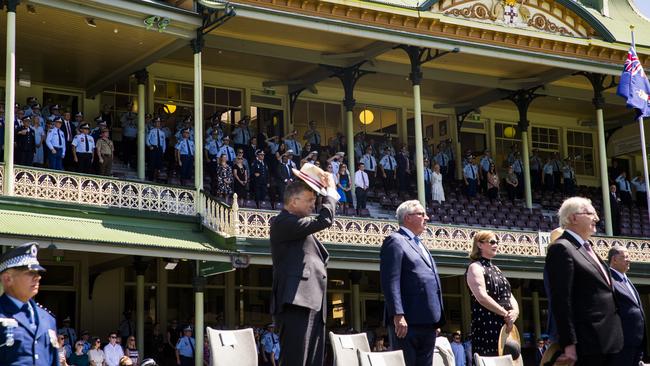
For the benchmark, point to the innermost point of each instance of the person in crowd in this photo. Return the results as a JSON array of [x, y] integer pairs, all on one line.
[[539, 351], [56, 145], [379, 345], [467, 344], [493, 183], [512, 155], [131, 351], [259, 177], [443, 160], [512, 184], [157, 146], [361, 184], [273, 144], [69, 131], [310, 158], [250, 149], [207, 354], [298, 303], [557, 171], [471, 177], [68, 331], [229, 151], [437, 190], [83, 147], [624, 188], [185, 157], [370, 164], [336, 160], [388, 166], [172, 335], [225, 178], [96, 132], [64, 350], [78, 357], [241, 135], [25, 143], [458, 349], [126, 328], [569, 176], [615, 209], [78, 120], [492, 301], [343, 185], [486, 161], [579, 279], [186, 125], [129, 138], [284, 174], [185, 348], [240, 175], [95, 354], [630, 308], [536, 165], [403, 169], [85, 339], [105, 152], [113, 351], [548, 179], [270, 343], [641, 195], [306, 150], [428, 181], [411, 287], [518, 169], [292, 144], [39, 137]]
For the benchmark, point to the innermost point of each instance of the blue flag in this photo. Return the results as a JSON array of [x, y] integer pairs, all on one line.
[[634, 85]]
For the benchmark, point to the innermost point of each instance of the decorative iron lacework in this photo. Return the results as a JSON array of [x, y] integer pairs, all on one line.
[[100, 191]]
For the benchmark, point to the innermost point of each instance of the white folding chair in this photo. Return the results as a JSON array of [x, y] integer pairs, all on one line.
[[393, 358], [345, 348], [493, 361], [232, 347], [443, 355]]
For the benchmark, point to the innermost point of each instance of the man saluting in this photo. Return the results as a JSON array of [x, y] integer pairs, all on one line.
[[27, 332], [298, 301]]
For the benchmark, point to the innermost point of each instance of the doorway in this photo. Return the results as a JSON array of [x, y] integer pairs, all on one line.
[[266, 122], [474, 142], [68, 102]]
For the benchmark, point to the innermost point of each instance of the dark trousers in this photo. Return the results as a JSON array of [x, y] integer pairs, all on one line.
[[68, 160], [302, 336], [569, 186], [187, 361], [56, 160], [641, 199], [26, 158], [520, 187], [85, 162], [417, 346], [596, 360], [549, 182], [626, 197], [535, 178], [629, 356], [557, 178], [260, 190], [403, 179], [484, 187], [470, 190], [389, 181], [186, 166], [129, 147], [362, 197], [371, 178], [428, 196]]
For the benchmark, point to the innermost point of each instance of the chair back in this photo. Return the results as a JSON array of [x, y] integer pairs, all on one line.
[[232, 347], [393, 358], [345, 348], [493, 361], [443, 355]]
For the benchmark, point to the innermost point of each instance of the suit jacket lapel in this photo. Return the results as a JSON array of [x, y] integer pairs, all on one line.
[[588, 258], [623, 288], [417, 249]]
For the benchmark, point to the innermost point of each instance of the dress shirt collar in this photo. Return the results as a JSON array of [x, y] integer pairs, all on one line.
[[622, 275], [578, 238], [19, 304], [408, 232]]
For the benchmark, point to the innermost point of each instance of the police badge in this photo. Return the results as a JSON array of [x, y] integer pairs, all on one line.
[[8, 325], [53, 339]]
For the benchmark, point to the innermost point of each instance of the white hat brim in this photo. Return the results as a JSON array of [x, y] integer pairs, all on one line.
[[307, 179]]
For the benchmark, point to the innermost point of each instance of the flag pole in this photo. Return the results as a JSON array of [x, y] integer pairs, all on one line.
[[644, 154]]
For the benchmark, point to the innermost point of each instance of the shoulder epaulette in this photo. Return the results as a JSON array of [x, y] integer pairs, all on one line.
[[46, 309]]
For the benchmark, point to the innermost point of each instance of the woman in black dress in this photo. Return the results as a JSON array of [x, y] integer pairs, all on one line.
[[241, 177], [493, 304]]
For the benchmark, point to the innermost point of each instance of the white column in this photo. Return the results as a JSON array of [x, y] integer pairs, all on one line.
[[419, 154], [10, 98], [199, 288], [139, 312], [537, 323], [198, 124], [141, 127], [602, 167], [349, 131], [524, 156]]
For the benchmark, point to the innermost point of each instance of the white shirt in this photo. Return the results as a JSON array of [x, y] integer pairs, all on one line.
[[361, 179], [113, 353]]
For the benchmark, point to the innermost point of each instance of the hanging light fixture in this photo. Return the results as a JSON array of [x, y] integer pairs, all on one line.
[[509, 132], [366, 116], [170, 107]]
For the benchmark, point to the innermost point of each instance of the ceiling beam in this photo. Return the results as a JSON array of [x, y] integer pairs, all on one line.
[[140, 63]]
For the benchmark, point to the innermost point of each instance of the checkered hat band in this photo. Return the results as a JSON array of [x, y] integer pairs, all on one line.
[[19, 261]]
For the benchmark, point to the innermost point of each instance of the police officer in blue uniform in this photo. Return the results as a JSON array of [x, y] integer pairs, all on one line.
[[185, 157], [157, 146], [185, 348], [27, 331], [260, 177], [270, 346]]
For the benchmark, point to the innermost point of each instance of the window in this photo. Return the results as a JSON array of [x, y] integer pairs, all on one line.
[[117, 100], [327, 116], [545, 139], [581, 150], [505, 135], [373, 119]]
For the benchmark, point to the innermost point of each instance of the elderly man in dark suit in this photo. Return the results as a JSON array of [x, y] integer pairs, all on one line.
[[583, 306], [411, 287], [298, 301], [630, 308]]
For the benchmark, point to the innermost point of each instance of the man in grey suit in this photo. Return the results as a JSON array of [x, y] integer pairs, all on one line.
[[298, 301], [411, 287], [630, 308]]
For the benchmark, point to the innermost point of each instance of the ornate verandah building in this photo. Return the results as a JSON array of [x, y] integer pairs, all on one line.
[[439, 69]]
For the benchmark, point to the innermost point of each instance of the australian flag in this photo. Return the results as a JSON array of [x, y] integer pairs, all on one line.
[[634, 85]]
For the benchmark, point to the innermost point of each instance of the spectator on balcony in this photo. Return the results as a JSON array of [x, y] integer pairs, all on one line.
[[273, 144], [36, 114], [624, 188], [129, 138], [185, 157], [240, 175], [512, 184], [486, 162], [442, 160], [291, 162], [293, 145], [388, 171], [186, 125], [96, 132], [54, 112], [284, 174], [241, 135], [157, 146], [313, 137], [557, 171], [518, 169], [493, 183], [259, 177], [105, 151], [25, 143], [343, 185], [428, 182], [78, 121], [403, 169], [56, 145], [536, 165], [215, 125], [95, 354], [437, 190], [361, 183], [83, 147], [336, 161], [77, 356], [471, 177], [614, 205], [69, 131], [225, 178], [311, 158], [370, 164], [336, 143], [641, 195], [211, 155], [39, 137], [227, 150], [249, 151], [547, 177], [306, 150], [512, 155], [359, 145], [569, 176]]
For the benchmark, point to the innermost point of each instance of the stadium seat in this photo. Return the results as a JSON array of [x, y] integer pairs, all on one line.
[[493, 361], [265, 205], [392, 358], [232, 347], [345, 348]]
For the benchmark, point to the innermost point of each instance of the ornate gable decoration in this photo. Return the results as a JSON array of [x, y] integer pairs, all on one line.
[[539, 15]]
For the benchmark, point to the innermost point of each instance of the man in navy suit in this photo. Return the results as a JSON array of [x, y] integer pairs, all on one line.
[[630, 308], [27, 332], [411, 287]]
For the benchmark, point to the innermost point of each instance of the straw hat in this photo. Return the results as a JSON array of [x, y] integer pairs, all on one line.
[[510, 344], [551, 354], [313, 176]]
